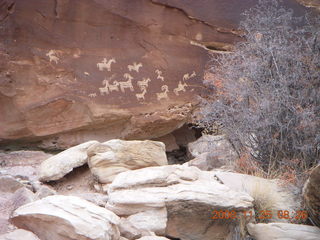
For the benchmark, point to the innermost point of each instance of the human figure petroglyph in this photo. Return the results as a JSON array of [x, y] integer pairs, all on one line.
[[181, 87], [127, 76], [106, 64], [144, 83], [159, 73], [135, 67], [52, 54], [92, 95], [164, 94], [188, 76], [140, 96]]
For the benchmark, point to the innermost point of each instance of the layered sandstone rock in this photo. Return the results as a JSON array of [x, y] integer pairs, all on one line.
[[275, 231], [19, 234], [61, 164], [110, 158], [66, 218], [176, 201], [72, 71]]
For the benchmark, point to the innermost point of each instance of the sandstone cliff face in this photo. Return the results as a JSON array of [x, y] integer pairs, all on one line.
[[74, 70]]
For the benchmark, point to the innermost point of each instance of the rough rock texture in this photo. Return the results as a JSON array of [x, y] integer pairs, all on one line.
[[66, 218], [19, 234], [211, 152], [153, 238], [59, 165], [311, 193], [108, 159], [127, 230], [75, 70], [283, 231], [175, 200]]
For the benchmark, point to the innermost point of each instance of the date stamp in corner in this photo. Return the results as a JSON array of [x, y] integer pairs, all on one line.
[[263, 215]]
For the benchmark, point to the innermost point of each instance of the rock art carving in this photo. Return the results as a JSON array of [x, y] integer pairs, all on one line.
[[140, 96], [52, 54], [106, 64], [92, 95], [188, 76], [109, 87], [164, 94], [135, 67], [181, 87], [127, 84], [143, 84], [159, 73], [127, 76], [86, 73]]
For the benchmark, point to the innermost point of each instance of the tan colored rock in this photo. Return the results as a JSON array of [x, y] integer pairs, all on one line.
[[61, 164], [110, 158], [283, 231], [19, 234], [211, 152], [153, 238], [21, 197], [9, 184], [181, 198], [127, 230], [45, 191], [268, 194], [66, 218], [311, 194]]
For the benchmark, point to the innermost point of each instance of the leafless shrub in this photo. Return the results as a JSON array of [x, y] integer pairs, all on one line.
[[268, 90]]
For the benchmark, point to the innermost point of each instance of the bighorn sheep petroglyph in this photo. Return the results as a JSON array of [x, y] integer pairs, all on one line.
[[159, 73], [181, 87], [106, 64], [164, 94], [135, 67], [187, 76], [52, 56]]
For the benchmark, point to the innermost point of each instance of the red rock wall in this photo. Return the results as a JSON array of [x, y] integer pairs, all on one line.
[[73, 70]]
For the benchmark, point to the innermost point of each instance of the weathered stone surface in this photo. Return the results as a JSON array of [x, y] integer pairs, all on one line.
[[66, 218], [19, 234], [311, 193], [265, 192], [9, 184], [153, 238], [61, 164], [21, 197], [56, 55], [283, 231], [211, 152], [45, 191], [108, 159], [127, 230], [96, 198], [181, 197]]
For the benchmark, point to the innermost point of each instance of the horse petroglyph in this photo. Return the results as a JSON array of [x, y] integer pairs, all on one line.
[[143, 84], [159, 73], [127, 84], [164, 94], [52, 54], [181, 87], [127, 76], [135, 67], [109, 87], [188, 76], [106, 64]]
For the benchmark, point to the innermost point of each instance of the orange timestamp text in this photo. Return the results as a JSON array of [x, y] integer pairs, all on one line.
[[264, 214]]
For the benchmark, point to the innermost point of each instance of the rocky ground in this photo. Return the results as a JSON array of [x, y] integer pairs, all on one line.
[[127, 190]]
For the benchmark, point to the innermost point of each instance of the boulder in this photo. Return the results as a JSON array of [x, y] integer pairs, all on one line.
[[211, 152], [267, 194], [176, 201], [19, 234], [96, 198], [21, 197], [9, 184], [108, 159], [66, 218], [153, 238], [127, 230], [45, 191], [283, 231], [311, 194], [61, 164]]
